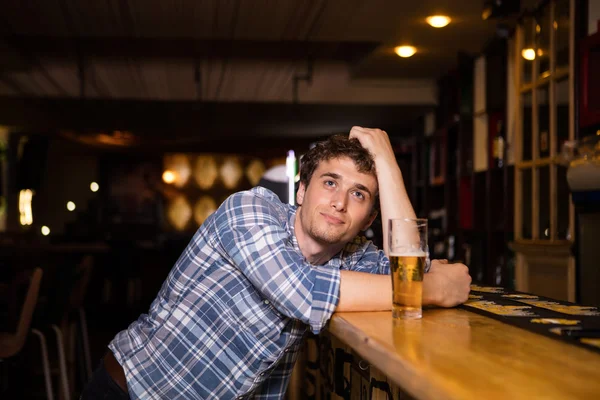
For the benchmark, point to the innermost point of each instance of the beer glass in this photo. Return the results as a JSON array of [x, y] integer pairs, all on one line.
[[407, 239]]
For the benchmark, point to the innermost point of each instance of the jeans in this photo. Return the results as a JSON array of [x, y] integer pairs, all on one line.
[[102, 387]]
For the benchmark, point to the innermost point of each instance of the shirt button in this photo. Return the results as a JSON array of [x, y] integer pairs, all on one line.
[[266, 302]]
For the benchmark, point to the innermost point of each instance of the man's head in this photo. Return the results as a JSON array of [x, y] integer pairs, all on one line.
[[336, 146], [337, 193]]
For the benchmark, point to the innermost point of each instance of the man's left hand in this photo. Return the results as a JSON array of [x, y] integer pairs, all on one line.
[[446, 285], [377, 142]]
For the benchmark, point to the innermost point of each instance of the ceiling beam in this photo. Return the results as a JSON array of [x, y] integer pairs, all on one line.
[[155, 48], [198, 124]]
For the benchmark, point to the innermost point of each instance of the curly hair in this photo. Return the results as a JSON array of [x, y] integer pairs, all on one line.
[[336, 146]]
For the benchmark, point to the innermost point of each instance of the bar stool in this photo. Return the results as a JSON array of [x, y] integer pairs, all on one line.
[[75, 325], [63, 317], [11, 343]]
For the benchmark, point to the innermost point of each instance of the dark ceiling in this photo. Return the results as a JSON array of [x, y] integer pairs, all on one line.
[[141, 57]]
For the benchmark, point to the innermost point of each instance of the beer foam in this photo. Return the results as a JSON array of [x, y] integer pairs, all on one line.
[[414, 253]]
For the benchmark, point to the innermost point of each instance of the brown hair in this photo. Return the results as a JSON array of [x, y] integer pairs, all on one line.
[[336, 146]]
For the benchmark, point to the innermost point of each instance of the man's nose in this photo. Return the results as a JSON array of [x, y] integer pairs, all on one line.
[[338, 201]]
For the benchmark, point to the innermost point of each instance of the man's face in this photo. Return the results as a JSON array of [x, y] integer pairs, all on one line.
[[338, 202]]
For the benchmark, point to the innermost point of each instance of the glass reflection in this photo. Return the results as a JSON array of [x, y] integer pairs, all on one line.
[[421, 340]]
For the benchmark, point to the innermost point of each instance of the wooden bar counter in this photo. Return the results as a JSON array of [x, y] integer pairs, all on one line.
[[457, 354]]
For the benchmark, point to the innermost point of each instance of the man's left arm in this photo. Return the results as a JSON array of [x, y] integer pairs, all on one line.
[[445, 285], [393, 199], [368, 287]]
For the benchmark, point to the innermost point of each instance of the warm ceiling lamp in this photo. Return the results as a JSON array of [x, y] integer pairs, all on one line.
[[231, 172], [205, 171], [255, 171], [528, 54], [203, 208], [179, 165], [438, 21], [169, 176], [405, 51], [179, 212]]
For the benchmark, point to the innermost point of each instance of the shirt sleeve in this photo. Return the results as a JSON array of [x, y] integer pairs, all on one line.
[[362, 255], [251, 234]]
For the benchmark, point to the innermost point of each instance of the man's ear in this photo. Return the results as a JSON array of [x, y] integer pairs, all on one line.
[[300, 194], [370, 220]]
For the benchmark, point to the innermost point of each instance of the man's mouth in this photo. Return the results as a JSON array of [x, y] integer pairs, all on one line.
[[332, 220]]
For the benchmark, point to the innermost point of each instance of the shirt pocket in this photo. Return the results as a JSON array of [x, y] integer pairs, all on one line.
[[256, 314]]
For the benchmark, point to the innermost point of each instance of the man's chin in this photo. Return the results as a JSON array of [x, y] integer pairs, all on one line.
[[328, 238]]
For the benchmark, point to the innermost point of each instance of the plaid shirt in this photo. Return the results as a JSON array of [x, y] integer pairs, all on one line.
[[229, 319]]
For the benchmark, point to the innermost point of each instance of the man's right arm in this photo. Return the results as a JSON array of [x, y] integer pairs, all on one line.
[[250, 235]]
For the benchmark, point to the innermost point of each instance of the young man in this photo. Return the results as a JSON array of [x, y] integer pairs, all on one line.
[[229, 319]]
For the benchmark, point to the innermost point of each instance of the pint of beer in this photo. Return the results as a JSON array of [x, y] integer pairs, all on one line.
[[408, 255]]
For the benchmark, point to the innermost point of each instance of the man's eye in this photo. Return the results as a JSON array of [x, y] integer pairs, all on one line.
[[329, 183], [360, 195]]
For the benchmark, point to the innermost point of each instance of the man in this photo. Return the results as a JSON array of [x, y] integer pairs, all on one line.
[[229, 319]]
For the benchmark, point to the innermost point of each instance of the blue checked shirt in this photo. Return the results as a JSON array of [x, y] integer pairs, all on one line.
[[229, 319]]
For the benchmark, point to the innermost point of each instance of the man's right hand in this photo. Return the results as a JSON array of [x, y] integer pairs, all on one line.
[[446, 285]]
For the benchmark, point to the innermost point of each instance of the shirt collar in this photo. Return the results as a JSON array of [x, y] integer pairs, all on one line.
[[292, 210]]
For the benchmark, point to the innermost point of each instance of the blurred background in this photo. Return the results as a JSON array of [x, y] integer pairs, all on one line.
[[124, 124]]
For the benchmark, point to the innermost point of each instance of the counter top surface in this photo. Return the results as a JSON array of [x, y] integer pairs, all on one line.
[[457, 354]]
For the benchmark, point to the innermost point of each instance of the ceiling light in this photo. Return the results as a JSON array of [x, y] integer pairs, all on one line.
[[405, 51], [45, 230], [179, 167], [438, 21], [528, 54], [71, 206], [206, 171], [169, 176], [26, 214], [94, 187]]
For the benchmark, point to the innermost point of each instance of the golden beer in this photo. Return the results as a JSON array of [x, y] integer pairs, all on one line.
[[407, 284]]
